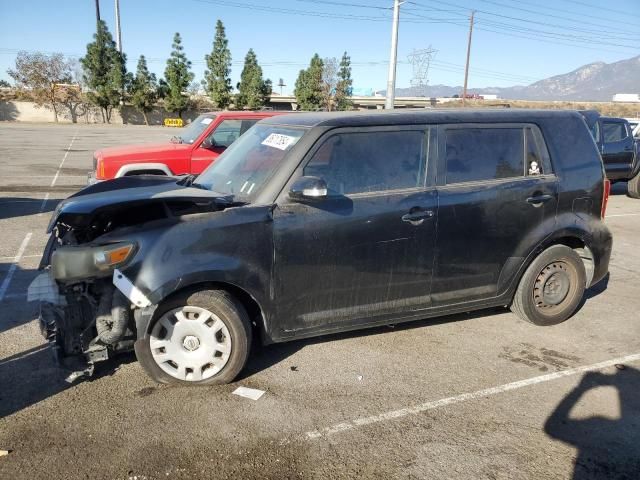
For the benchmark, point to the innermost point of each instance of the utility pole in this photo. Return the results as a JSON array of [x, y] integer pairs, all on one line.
[[118, 35], [97, 11], [391, 79], [466, 68]]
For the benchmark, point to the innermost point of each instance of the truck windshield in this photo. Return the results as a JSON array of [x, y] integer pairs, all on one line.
[[243, 169], [191, 132]]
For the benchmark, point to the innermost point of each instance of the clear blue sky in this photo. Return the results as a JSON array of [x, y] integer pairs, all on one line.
[[515, 42]]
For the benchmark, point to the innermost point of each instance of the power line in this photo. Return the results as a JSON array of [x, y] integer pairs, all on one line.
[[598, 7]]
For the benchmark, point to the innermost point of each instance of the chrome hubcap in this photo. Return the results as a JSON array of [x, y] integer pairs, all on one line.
[[190, 343]]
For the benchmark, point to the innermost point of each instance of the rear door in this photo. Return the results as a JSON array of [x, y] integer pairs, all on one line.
[[617, 148], [218, 140], [367, 250], [495, 185]]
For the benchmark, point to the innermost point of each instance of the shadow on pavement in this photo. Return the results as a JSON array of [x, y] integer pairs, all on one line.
[[607, 448], [33, 376], [11, 207], [619, 188]]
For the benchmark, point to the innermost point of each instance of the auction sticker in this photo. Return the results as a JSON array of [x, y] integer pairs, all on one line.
[[206, 121], [279, 141]]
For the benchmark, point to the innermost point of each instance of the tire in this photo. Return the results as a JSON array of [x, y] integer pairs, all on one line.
[[551, 288], [633, 187], [197, 338]]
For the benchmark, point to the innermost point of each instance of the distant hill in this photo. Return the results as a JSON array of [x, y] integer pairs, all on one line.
[[597, 81]]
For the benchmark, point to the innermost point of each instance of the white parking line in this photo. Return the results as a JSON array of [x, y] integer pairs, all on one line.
[[622, 215], [12, 268], [23, 256], [403, 412], [53, 182], [44, 202]]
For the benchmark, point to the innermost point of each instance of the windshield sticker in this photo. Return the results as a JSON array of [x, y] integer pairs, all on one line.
[[206, 121], [279, 141]]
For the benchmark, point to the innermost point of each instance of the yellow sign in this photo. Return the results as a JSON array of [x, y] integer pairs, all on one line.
[[173, 122]]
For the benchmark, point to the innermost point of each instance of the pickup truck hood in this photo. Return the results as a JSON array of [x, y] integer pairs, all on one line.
[[143, 152], [119, 198]]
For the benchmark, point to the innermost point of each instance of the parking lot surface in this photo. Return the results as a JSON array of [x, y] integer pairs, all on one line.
[[481, 395]]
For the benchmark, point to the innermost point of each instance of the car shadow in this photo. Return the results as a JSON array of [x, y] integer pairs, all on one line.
[[607, 448], [15, 310], [618, 188], [265, 356], [11, 207], [32, 376]]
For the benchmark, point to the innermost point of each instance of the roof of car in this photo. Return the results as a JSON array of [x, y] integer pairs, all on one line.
[[244, 113], [404, 117]]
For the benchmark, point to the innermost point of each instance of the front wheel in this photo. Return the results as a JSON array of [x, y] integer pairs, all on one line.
[[199, 338], [551, 288]]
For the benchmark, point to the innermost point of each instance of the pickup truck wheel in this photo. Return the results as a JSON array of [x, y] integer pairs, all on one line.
[[633, 187], [199, 338], [551, 288]]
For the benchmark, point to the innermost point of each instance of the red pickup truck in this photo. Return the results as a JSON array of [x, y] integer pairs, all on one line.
[[190, 151]]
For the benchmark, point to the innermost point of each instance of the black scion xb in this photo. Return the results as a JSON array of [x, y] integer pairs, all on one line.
[[317, 223]]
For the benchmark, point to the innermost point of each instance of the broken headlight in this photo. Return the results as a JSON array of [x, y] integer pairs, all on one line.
[[81, 262]]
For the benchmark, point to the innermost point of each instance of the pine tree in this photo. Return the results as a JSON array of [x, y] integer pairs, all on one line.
[[344, 87], [253, 90], [144, 89], [104, 71], [216, 79], [178, 77], [308, 91]]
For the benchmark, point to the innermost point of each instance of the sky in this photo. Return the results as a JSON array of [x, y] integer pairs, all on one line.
[[514, 42]]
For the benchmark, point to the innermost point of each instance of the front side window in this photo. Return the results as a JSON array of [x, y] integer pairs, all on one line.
[[614, 132], [479, 154], [362, 162], [245, 167], [228, 132], [191, 132]]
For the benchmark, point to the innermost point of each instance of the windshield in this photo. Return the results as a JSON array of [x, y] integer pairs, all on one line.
[[243, 169], [191, 132]]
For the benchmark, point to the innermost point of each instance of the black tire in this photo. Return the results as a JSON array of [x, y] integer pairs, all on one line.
[[551, 288], [233, 315], [633, 187]]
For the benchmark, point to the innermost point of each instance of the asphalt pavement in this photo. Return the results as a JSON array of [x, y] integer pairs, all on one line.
[[479, 395]]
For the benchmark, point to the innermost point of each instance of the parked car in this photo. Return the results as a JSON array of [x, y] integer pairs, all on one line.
[[619, 150], [191, 150], [318, 223]]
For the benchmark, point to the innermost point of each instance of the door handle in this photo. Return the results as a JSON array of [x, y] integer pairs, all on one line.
[[538, 200], [417, 216]]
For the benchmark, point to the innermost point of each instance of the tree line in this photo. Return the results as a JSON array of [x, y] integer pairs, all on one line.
[[54, 81]]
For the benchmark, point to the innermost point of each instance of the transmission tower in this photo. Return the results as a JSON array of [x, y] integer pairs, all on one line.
[[420, 61]]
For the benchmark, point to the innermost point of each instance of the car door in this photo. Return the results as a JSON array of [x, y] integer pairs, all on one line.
[[365, 251], [495, 185], [617, 148], [217, 141]]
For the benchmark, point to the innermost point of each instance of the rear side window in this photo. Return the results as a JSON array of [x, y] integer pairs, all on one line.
[[614, 131], [477, 154], [370, 161], [537, 161]]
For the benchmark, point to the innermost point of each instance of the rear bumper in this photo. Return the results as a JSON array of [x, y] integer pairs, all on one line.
[[601, 249]]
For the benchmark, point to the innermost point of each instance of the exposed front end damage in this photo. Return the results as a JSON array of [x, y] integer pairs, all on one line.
[[87, 305]]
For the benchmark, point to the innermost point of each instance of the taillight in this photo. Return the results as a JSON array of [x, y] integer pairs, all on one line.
[[605, 196]]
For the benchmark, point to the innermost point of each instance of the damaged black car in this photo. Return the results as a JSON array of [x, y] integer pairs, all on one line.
[[317, 223]]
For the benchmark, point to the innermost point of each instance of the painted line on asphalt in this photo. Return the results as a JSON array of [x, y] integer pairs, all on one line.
[[403, 412], [44, 202], [66, 154], [23, 256], [622, 215], [12, 268]]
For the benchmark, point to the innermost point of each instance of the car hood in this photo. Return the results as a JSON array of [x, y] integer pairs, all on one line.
[[141, 151], [123, 193]]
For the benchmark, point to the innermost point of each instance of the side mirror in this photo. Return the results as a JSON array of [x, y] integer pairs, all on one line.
[[308, 188]]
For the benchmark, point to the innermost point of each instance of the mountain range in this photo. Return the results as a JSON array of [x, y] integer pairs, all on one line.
[[596, 81]]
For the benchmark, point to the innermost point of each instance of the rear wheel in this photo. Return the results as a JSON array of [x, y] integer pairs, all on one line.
[[633, 187], [551, 288], [197, 338]]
